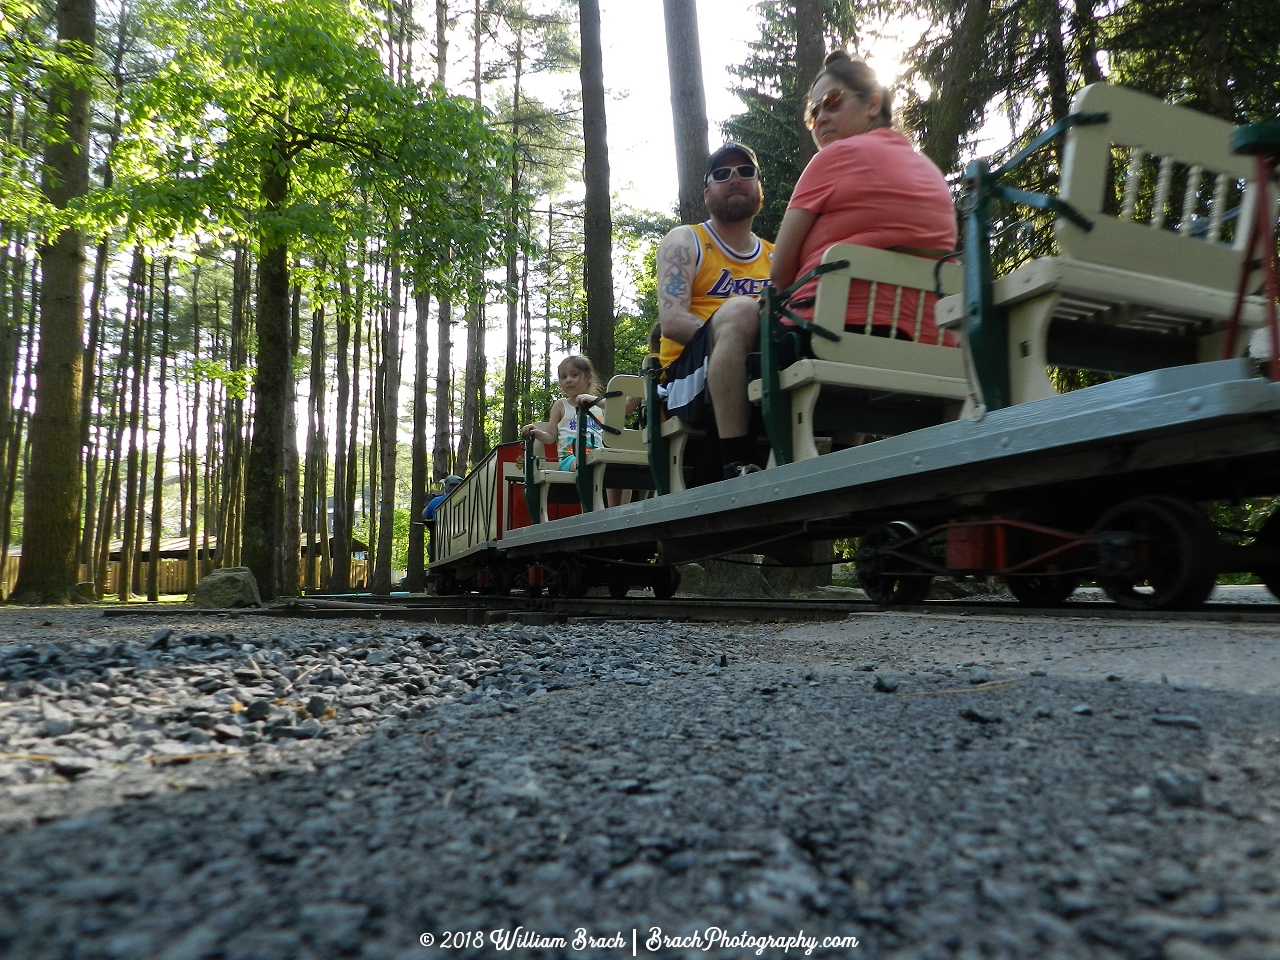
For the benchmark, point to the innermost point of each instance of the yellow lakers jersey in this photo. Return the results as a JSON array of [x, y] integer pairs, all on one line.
[[721, 273]]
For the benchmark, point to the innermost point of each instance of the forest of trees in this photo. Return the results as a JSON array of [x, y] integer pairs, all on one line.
[[243, 241]]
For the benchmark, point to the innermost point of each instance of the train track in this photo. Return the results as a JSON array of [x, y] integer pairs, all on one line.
[[477, 610]]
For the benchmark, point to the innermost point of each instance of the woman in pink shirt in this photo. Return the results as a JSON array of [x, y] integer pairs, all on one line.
[[868, 186]]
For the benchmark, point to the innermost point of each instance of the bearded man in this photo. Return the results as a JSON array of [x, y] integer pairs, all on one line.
[[710, 278]]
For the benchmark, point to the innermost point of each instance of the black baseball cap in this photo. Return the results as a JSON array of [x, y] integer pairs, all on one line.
[[713, 161]]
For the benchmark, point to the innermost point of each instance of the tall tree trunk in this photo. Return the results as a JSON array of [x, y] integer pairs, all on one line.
[[130, 515], [598, 223], [1055, 62], [950, 106], [157, 489], [18, 447], [810, 53], [688, 102], [414, 581], [526, 347], [52, 491], [108, 503], [380, 581], [144, 442], [290, 534], [471, 439], [313, 483], [9, 483], [354, 464], [193, 462], [442, 40], [510, 386], [340, 575], [442, 449], [10, 344], [262, 532], [99, 288], [1084, 26]]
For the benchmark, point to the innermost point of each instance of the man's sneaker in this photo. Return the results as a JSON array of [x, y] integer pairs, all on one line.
[[737, 469]]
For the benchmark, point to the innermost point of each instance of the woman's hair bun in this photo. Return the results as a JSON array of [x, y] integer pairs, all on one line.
[[861, 79]]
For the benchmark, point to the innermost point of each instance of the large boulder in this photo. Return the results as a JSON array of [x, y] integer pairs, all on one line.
[[227, 588]]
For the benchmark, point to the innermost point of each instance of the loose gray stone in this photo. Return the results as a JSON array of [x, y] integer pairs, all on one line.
[[886, 684], [227, 588], [258, 710], [72, 767], [159, 639], [1170, 720], [1180, 791], [225, 731], [979, 716], [978, 675]]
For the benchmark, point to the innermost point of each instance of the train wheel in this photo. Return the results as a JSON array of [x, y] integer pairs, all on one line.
[[1174, 555], [570, 577], [1269, 536], [447, 585], [889, 580], [619, 590], [1043, 591], [668, 582]]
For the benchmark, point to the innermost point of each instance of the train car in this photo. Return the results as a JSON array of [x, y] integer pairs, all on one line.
[[979, 467]]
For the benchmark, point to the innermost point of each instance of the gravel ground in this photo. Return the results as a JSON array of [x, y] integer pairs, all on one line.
[[933, 785]]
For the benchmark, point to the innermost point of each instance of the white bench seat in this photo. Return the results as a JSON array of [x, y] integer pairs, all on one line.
[[621, 461], [859, 384], [1153, 283]]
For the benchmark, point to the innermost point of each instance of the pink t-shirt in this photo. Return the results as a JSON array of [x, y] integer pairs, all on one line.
[[875, 190]]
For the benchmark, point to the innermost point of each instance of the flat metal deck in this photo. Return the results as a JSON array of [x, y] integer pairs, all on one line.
[[1205, 431]]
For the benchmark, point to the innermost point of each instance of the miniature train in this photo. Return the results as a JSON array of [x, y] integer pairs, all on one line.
[[976, 466]]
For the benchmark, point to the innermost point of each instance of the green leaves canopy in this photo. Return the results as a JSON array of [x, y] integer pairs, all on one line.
[[301, 87]]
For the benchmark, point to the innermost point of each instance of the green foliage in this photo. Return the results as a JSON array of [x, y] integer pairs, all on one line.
[[637, 234], [301, 88], [235, 382], [31, 64], [1217, 57], [772, 93]]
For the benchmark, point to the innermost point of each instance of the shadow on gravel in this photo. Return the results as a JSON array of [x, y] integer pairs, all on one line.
[[1040, 818]]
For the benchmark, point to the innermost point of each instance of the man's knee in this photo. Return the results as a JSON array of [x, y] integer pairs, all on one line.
[[737, 320]]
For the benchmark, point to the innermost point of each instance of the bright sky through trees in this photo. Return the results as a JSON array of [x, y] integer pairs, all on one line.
[[641, 155]]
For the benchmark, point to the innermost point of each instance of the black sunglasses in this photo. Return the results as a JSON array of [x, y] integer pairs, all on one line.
[[746, 171]]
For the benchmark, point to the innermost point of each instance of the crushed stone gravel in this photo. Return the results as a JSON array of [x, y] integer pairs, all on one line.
[[244, 788]]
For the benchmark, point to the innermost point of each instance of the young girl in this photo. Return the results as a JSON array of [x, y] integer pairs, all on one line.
[[578, 384]]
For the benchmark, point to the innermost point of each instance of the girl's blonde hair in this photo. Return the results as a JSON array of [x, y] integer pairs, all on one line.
[[583, 366]]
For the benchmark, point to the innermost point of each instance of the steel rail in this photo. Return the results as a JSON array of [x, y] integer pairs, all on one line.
[[477, 610]]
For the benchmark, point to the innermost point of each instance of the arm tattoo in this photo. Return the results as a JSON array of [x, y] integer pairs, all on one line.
[[675, 280]]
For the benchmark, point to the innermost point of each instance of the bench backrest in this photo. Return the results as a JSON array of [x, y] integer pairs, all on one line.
[[615, 413], [890, 273], [1158, 182]]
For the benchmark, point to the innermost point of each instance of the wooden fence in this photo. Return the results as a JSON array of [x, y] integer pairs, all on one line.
[[173, 575]]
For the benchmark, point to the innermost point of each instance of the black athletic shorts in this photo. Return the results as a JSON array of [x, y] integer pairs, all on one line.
[[684, 382]]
